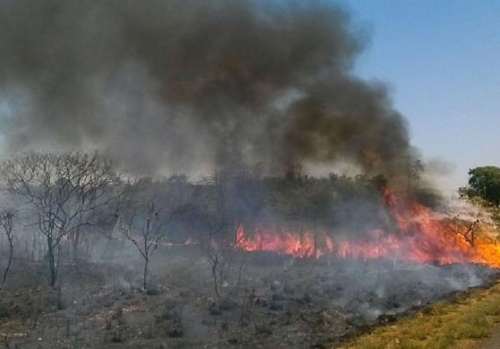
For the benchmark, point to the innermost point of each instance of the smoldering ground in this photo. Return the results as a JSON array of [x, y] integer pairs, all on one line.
[[195, 85], [286, 304]]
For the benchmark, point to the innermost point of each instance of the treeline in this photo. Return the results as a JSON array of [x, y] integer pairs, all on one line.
[[71, 199]]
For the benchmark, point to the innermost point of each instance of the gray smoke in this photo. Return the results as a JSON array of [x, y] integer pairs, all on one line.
[[194, 84]]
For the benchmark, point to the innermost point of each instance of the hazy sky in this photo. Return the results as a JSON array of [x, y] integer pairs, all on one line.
[[442, 60]]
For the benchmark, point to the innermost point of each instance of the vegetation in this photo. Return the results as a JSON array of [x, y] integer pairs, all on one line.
[[456, 325], [6, 224], [70, 200], [64, 191], [484, 189], [484, 183], [145, 214], [74, 214]]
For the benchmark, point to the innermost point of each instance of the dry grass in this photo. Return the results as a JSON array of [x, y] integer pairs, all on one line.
[[461, 324]]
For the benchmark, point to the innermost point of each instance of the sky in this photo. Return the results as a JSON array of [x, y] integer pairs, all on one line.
[[441, 60]]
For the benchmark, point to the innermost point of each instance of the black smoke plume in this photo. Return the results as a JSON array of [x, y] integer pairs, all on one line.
[[193, 85]]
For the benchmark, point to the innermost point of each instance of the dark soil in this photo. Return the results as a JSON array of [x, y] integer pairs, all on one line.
[[277, 303]]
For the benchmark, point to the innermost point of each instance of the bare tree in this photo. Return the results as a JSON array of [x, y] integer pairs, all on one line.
[[147, 237], [147, 211], [64, 190], [6, 222], [469, 229], [211, 246], [210, 222]]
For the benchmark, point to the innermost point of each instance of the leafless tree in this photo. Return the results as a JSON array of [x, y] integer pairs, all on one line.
[[214, 253], [467, 228], [6, 222], [64, 190], [210, 220], [147, 212], [147, 236]]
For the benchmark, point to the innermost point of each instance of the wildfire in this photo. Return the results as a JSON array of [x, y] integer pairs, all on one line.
[[420, 236]]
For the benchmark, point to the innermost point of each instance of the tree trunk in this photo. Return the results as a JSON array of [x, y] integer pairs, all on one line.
[[76, 245], [52, 262], [6, 272], [145, 275], [76, 240], [214, 275], [34, 248]]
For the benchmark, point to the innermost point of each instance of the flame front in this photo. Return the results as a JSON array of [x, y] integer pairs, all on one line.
[[420, 236]]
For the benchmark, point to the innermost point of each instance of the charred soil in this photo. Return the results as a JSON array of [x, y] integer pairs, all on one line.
[[266, 301]]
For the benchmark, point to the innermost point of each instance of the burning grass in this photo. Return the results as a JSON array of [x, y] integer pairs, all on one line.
[[418, 234], [460, 324]]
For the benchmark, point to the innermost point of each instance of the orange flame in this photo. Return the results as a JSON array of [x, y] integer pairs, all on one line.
[[420, 236]]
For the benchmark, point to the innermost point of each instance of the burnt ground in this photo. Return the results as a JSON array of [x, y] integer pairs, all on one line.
[[275, 302]]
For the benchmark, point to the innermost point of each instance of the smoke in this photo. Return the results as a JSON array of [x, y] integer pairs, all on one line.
[[194, 85]]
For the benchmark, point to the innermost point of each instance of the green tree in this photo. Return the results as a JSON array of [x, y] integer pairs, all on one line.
[[484, 184]]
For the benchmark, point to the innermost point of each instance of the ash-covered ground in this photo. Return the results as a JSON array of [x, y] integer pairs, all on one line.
[[266, 301]]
